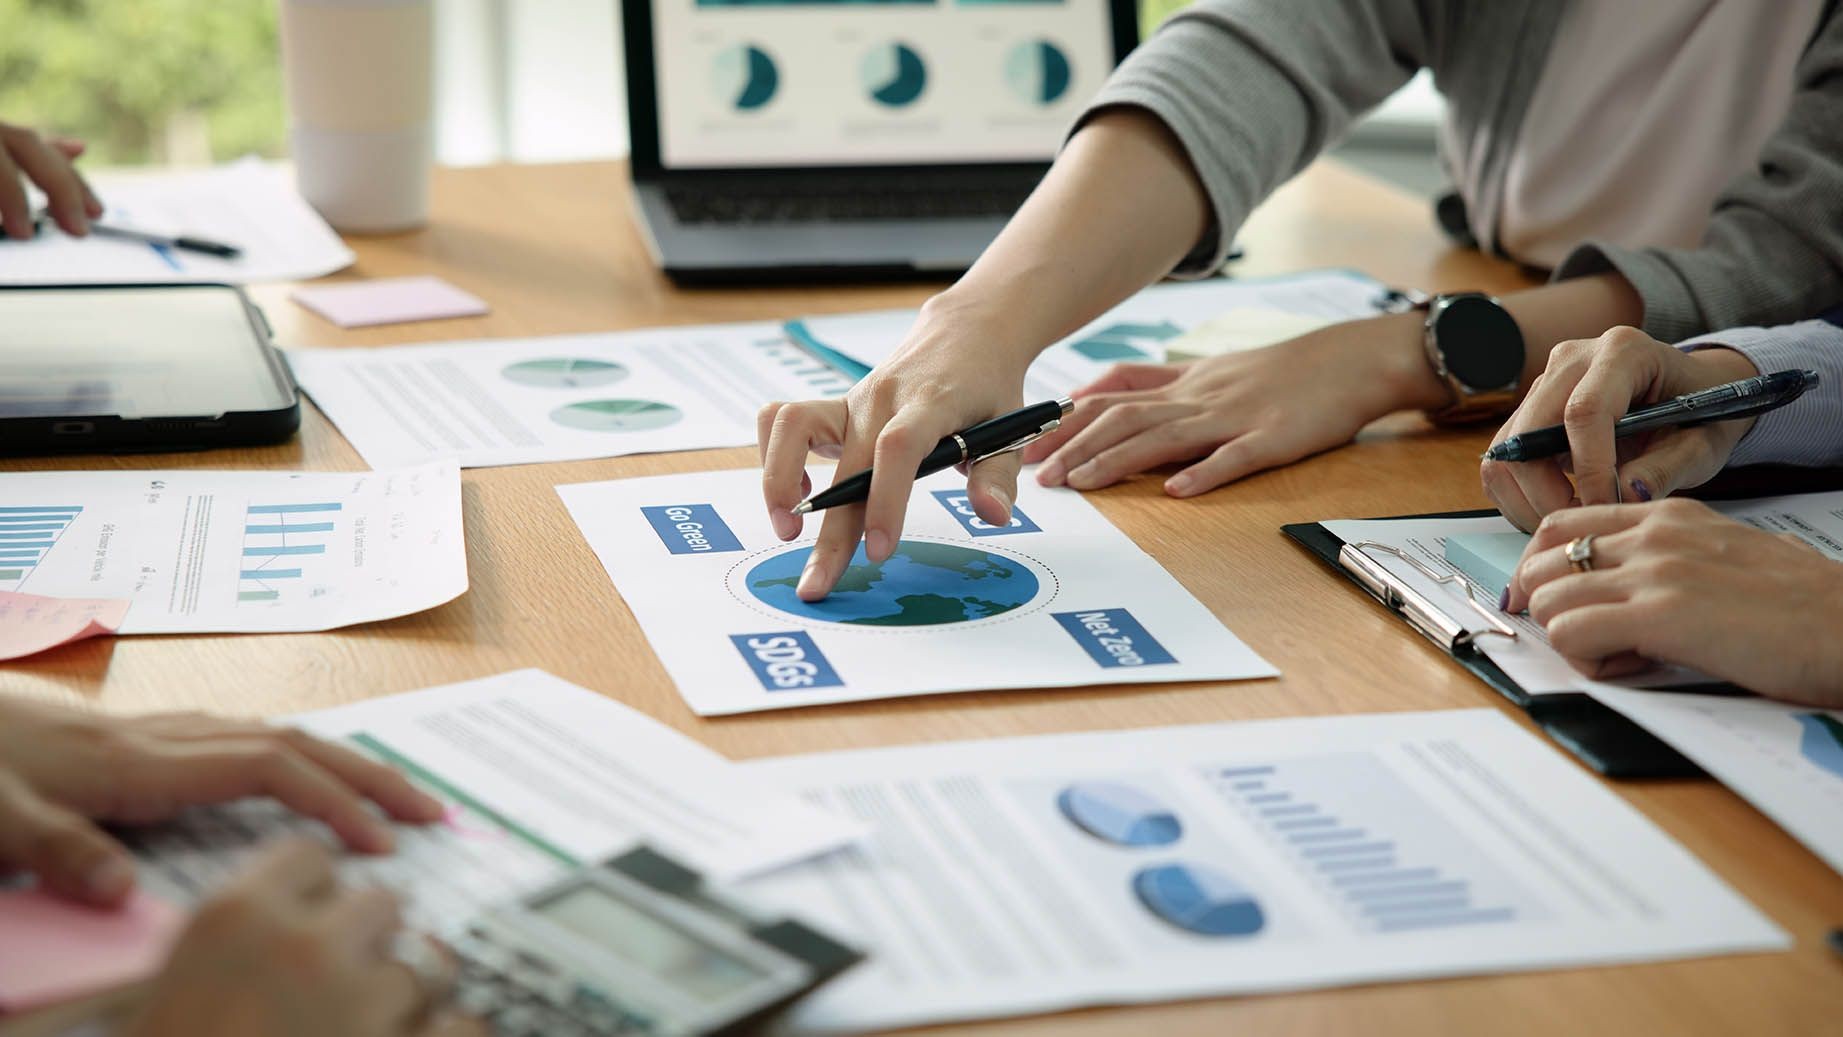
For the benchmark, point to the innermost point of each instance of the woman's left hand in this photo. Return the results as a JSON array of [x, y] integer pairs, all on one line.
[[1675, 582]]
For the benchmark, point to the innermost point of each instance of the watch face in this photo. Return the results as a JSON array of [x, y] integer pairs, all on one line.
[[1480, 342]]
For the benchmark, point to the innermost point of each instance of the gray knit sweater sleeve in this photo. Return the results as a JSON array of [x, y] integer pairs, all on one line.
[[1255, 89], [1773, 252]]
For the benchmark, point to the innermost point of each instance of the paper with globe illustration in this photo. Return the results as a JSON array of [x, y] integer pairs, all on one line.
[[1038, 874], [1785, 759], [1058, 598]]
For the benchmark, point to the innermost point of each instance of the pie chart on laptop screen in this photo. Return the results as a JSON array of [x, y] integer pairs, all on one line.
[[1038, 72], [746, 77], [894, 75]]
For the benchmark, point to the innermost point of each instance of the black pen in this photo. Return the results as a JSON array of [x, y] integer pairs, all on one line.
[[184, 242], [1748, 396], [1000, 435]]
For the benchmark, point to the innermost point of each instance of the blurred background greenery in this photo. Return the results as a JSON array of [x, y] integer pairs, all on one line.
[[166, 82]]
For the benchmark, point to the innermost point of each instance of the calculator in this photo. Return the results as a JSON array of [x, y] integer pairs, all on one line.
[[639, 945]]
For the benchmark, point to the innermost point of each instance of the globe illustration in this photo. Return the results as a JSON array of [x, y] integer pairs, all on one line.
[[922, 584]]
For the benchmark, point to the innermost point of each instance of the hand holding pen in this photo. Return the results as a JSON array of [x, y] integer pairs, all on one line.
[[1594, 403], [890, 425]]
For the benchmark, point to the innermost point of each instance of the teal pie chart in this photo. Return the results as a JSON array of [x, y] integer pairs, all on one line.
[[1120, 814], [1198, 899], [1038, 72], [617, 415], [922, 584], [746, 77], [894, 75]]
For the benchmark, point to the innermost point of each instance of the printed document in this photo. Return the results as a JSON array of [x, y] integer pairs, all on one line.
[[1786, 760], [1135, 332], [1039, 874], [1816, 519], [237, 552], [540, 776], [1057, 598], [249, 204], [561, 398]]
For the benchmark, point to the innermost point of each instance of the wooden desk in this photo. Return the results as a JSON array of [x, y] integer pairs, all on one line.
[[554, 249]]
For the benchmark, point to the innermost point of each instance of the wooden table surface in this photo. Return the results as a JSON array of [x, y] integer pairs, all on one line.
[[554, 249]]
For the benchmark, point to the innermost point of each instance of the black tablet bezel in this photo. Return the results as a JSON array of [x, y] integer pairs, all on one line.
[[90, 433]]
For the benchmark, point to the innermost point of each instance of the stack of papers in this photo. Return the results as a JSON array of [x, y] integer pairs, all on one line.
[[248, 204]]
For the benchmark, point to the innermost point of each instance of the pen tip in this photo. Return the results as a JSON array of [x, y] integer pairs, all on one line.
[[803, 508]]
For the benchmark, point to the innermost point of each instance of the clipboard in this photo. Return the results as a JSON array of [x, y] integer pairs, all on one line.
[[1600, 737]]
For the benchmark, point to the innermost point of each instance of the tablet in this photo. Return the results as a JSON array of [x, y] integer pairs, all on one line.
[[139, 367]]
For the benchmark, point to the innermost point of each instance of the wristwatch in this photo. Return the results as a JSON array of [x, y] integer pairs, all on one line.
[[1476, 348]]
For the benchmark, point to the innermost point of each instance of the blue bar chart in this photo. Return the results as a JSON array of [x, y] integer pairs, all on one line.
[[27, 534], [1373, 846], [281, 544]]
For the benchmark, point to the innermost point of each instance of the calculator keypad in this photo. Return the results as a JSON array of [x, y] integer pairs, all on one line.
[[519, 994]]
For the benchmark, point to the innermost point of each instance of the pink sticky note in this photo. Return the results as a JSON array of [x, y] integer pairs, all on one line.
[[53, 950], [32, 623], [389, 300]]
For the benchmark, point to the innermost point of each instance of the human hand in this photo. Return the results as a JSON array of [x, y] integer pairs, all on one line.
[[61, 771], [288, 951], [1241, 412], [1588, 385], [1675, 582], [941, 380], [47, 162]]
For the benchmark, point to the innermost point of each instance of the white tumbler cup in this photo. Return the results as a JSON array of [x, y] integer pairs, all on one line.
[[360, 76]]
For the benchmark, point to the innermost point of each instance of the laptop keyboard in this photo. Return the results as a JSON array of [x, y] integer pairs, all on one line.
[[808, 203]]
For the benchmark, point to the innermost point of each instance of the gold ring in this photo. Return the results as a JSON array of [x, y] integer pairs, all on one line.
[[1580, 554]]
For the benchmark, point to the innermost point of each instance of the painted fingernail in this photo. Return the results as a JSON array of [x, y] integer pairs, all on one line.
[[110, 878], [1050, 474], [1640, 490], [877, 545], [1503, 601]]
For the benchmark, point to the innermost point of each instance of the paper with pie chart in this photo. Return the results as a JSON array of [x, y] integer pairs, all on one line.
[[1038, 874], [563, 397], [1059, 598]]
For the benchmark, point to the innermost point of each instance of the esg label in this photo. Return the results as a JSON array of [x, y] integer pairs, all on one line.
[[959, 507], [1113, 638], [786, 662]]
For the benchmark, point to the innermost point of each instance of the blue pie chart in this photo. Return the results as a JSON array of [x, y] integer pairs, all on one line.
[[1119, 814], [745, 77], [1198, 900], [894, 75], [1038, 71]]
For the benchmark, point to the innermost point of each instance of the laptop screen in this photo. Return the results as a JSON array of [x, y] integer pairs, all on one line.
[[872, 82]]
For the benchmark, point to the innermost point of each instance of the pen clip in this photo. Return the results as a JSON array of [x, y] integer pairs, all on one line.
[[1021, 442], [1425, 617]]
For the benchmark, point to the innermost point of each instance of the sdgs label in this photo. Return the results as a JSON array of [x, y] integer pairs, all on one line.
[[1113, 638], [786, 662], [692, 529], [957, 505]]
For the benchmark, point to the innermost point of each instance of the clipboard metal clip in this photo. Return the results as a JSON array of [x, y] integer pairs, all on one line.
[[1420, 613]]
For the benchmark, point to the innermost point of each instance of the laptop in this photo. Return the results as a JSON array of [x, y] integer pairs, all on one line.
[[803, 140]]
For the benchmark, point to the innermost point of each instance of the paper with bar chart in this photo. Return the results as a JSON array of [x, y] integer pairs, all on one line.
[[1058, 598], [562, 398], [1036, 874], [202, 552], [1134, 332], [1785, 759]]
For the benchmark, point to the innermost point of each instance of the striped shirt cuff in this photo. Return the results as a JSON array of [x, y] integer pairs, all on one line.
[[1809, 431]]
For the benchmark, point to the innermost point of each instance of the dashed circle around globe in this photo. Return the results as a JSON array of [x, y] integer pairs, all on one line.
[[924, 583]]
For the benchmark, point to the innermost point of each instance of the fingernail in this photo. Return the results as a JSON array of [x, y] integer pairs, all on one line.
[[786, 523], [1503, 600], [877, 545], [110, 878], [1004, 502], [808, 589], [1178, 485], [1082, 478], [1050, 474], [1640, 490]]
